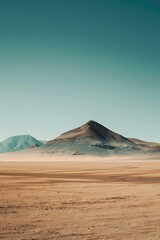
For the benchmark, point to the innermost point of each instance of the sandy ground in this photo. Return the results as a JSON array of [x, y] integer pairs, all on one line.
[[80, 199]]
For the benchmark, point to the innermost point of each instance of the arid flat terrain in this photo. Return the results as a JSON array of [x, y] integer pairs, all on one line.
[[80, 199]]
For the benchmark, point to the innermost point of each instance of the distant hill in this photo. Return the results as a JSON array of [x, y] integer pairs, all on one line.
[[17, 143], [90, 139]]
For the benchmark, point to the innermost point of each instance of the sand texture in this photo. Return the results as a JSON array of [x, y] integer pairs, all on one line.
[[73, 199]]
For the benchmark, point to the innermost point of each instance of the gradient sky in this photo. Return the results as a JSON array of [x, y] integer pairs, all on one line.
[[64, 62]]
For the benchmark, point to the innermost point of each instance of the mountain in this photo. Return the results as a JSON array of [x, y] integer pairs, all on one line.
[[91, 139], [17, 143]]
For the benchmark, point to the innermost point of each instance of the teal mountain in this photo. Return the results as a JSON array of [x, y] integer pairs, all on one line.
[[17, 143]]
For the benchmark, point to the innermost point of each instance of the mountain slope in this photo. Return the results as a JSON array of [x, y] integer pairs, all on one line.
[[147, 146], [17, 143], [92, 139]]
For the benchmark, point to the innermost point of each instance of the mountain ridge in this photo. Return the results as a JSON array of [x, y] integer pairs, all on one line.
[[91, 138]]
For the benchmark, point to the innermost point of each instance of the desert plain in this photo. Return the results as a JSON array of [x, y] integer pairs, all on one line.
[[68, 198]]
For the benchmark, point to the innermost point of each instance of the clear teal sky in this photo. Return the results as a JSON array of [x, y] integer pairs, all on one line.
[[63, 63]]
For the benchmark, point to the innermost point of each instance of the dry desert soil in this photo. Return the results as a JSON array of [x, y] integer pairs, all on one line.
[[80, 198]]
